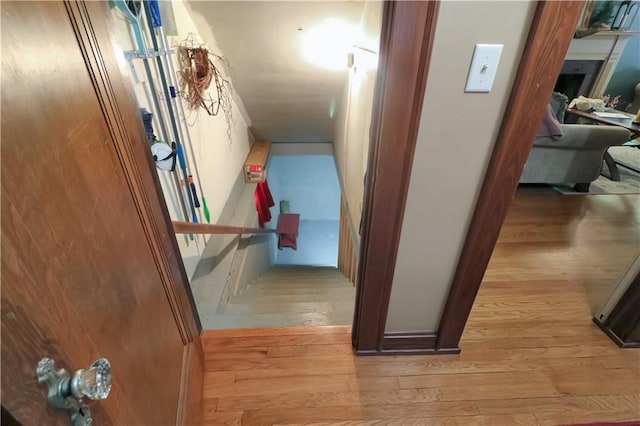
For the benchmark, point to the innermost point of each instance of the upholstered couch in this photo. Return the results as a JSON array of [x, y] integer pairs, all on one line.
[[575, 158]]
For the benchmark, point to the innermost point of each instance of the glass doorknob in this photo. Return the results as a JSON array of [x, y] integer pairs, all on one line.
[[94, 382], [66, 392]]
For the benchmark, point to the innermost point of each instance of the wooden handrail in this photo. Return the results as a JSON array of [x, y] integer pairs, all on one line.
[[204, 228]]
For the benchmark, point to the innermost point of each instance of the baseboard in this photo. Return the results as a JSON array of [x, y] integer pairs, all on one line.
[[613, 336], [415, 343]]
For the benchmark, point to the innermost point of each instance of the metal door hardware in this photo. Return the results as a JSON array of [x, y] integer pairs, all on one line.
[[65, 392]]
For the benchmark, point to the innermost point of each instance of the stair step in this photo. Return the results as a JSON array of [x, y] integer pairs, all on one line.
[[335, 295], [326, 308], [278, 267], [290, 296], [278, 320], [273, 291], [305, 271], [300, 284], [302, 280], [281, 277]]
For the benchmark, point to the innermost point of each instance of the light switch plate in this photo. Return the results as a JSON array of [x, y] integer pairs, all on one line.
[[484, 66]]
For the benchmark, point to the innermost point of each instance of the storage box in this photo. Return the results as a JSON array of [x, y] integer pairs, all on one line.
[[255, 167]]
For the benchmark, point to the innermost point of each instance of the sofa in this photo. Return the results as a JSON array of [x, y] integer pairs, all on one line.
[[574, 158]]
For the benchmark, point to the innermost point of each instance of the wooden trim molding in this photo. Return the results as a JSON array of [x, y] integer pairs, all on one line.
[[347, 260], [401, 342], [406, 42], [415, 343], [90, 22], [551, 32], [623, 324], [180, 227]]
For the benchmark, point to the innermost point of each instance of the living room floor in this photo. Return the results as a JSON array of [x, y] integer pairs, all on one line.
[[530, 353]]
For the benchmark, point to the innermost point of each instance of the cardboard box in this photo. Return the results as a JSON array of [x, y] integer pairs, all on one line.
[[255, 166]]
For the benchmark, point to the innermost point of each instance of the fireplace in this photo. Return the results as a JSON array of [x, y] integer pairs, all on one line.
[[577, 77], [590, 63]]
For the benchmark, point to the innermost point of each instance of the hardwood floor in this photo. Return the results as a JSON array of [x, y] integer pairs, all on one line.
[[530, 354]]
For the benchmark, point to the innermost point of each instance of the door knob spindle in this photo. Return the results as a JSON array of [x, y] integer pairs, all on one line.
[[65, 393]]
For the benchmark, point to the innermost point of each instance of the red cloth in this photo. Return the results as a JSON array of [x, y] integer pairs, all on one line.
[[288, 224], [264, 201]]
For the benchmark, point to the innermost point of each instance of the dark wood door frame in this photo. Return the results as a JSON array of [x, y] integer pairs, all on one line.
[[551, 32], [406, 41], [623, 323]]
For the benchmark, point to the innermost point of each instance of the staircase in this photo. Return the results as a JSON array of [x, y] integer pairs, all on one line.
[[291, 296]]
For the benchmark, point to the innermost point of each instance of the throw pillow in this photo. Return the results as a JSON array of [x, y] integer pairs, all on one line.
[[550, 127]]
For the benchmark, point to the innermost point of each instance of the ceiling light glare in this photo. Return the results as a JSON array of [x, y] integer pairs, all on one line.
[[327, 44]]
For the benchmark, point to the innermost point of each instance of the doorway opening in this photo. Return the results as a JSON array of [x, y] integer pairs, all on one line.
[[553, 248], [304, 81]]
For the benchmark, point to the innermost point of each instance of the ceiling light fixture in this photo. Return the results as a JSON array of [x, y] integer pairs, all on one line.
[[328, 43]]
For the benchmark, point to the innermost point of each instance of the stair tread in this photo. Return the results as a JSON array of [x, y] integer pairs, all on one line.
[[277, 267], [275, 291], [224, 321], [336, 295], [302, 277], [293, 307], [300, 284], [303, 271], [289, 295]]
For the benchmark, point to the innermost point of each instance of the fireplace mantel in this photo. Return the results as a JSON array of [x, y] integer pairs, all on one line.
[[604, 46]]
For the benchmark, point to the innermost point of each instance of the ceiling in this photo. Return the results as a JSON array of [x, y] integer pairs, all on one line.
[[287, 98]]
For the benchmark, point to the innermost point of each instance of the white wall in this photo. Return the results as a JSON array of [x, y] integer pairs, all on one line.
[[219, 159], [351, 136], [455, 140]]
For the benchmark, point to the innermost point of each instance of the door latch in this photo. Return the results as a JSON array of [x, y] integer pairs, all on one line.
[[65, 393]]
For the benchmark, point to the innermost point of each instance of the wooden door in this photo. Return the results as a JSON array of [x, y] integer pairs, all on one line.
[[90, 267]]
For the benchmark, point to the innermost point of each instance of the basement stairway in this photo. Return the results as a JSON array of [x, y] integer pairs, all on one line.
[[290, 296]]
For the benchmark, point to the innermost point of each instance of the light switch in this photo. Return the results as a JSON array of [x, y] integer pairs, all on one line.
[[484, 66]]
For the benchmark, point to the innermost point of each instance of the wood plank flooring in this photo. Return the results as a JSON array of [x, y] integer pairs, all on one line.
[[530, 354]]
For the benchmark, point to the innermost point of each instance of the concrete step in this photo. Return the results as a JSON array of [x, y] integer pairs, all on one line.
[[257, 307], [278, 320], [335, 295]]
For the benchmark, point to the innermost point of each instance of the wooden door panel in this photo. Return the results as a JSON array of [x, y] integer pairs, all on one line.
[[80, 279]]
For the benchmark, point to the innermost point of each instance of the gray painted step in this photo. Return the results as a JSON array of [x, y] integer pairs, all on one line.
[[299, 284], [302, 268], [267, 290], [289, 278], [280, 308], [337, 295], [303, 272], [290, 296], [278, 320]]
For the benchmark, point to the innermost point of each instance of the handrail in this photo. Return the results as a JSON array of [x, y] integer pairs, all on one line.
[[204, 228]]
